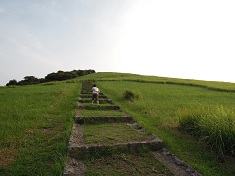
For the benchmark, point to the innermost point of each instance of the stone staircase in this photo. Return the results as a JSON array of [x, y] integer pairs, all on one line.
[[79, 148]]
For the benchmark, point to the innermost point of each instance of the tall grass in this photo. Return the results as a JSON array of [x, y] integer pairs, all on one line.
[[214, 125]]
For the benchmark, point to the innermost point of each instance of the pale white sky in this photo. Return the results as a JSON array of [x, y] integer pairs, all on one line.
[[184, 39]]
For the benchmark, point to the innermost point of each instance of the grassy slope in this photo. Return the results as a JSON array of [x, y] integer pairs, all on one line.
[[159, 106], [35, 124], [109, 76], [36, 120]]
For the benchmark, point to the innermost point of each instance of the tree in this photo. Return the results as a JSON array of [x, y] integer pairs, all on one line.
[[51, 77], [59, 76], [12, 82], [30, 78]]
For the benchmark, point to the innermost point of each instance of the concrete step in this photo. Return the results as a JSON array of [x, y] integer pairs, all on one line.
[[89, 93], [90, 96], [79, 150], [100, 100], [87, 86], [98, 119], [74, 167], [96, 107]]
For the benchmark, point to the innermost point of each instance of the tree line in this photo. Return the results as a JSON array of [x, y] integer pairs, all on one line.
[[59, 76]]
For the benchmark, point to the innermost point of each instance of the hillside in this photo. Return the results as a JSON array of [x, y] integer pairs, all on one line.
[[160, 108]]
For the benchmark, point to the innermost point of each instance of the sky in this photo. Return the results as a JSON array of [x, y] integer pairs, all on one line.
[[191, 39]]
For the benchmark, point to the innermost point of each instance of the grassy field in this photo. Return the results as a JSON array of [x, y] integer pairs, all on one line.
[[160, 107], [35, 124], [35, 121]]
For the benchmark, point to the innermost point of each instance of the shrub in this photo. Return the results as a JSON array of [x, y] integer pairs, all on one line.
[[130, 95]]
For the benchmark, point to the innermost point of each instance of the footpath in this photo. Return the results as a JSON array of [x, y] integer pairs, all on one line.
[[107, 141]]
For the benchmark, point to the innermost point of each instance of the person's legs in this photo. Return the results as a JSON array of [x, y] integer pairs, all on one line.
[[97, 99], [93, 98]]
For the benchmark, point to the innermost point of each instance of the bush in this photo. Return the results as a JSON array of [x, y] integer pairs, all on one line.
[[130, 95]]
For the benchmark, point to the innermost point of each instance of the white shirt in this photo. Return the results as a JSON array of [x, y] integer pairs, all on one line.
[[95, 90]]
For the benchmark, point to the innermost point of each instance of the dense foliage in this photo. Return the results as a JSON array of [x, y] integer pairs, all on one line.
[[59, 76]]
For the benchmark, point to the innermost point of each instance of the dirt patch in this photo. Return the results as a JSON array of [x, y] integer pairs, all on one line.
[[8, 154], [74, 167]]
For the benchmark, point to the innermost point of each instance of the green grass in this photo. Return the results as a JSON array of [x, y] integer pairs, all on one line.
[[113, 133], [35, 125], [123, 164], [216, 126], [36, 121], [157, 111], [113, 76]]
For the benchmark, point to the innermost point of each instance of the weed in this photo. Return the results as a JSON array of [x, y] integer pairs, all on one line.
[[131, 95], [110, 151], [189, 122], [123, 156]]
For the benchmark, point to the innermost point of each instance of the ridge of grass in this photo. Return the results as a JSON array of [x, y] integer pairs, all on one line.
[[114, 76]]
